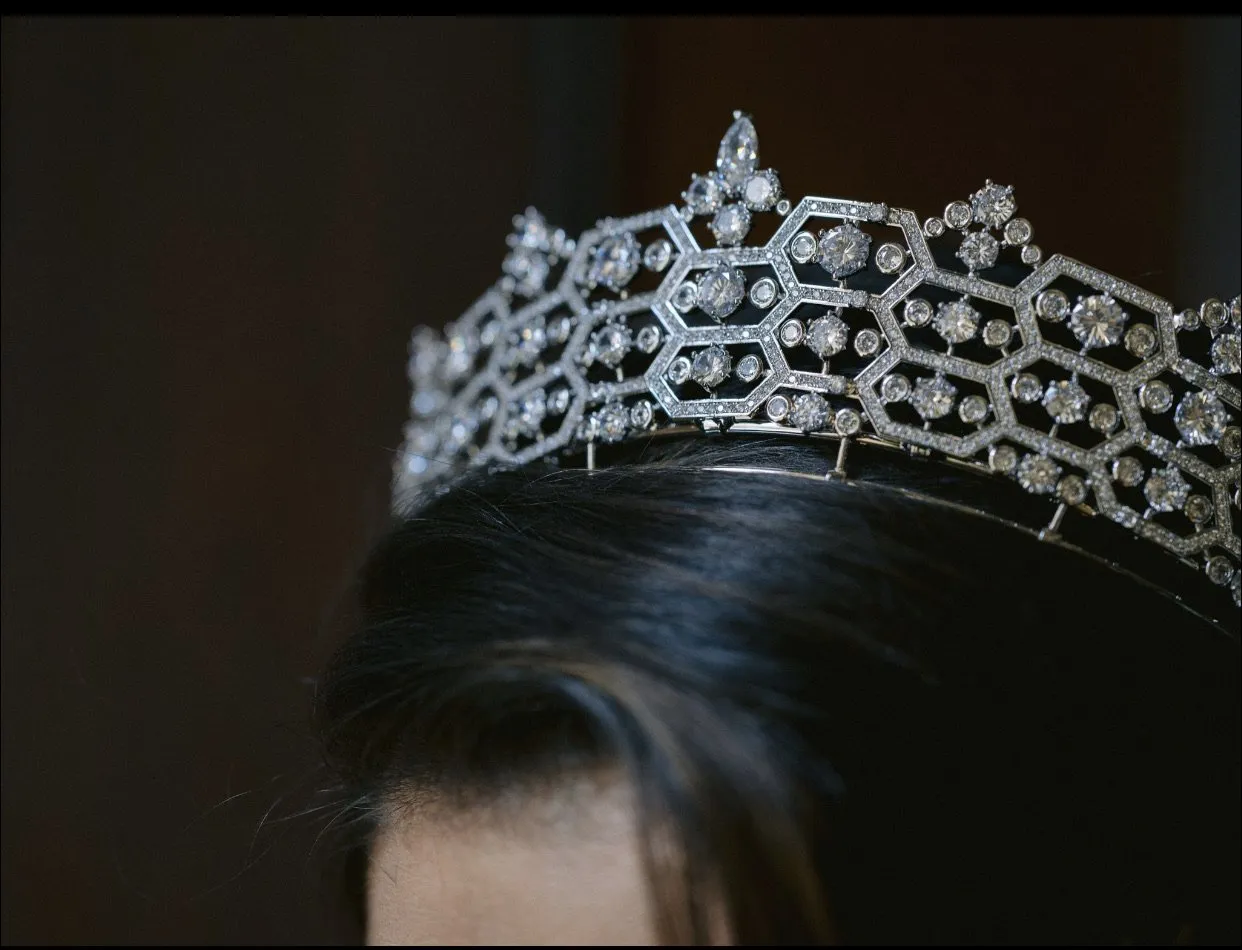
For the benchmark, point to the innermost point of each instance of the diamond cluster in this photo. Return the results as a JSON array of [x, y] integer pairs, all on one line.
[[1078, 386]]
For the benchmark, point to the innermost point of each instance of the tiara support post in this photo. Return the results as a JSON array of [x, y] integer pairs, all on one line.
[[1053, 528], [838, 471]]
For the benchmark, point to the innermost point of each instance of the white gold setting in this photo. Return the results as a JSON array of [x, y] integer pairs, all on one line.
[[1078, 386]]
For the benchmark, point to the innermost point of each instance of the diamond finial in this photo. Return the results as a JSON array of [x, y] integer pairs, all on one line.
[[993, 204], [738, 156]]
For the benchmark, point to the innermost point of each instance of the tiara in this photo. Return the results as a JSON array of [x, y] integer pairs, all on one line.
[[951, 337]]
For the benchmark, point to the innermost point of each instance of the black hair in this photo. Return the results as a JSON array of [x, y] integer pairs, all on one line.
[[862, 716]]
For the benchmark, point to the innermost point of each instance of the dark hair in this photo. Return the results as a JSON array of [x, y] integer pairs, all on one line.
[[863, 717]]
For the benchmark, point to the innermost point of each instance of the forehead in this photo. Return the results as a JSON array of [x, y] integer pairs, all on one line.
[[560, 868]]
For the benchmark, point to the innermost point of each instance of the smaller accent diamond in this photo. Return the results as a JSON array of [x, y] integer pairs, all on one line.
[[1032, 254], [890, 258], [1155, 396], [1066, 401], [642, 413], [993, 205], [917, 312], [783, 206], [711, 366], [866, 342], [1215, 314], [1104, 417], [679, 370], [894, 388], [615, 261], [933, 397], [529, 269], [1166, 490], [721, 291], [1052, 305], [730, 225], [1200, 418], [648, 339], [978, 250], [957, 214], [460, 357], [525, 421], [848, 421], [1026, 388], [802, 247], [1231, 442], [1018, 231], [843, 250], [996, 333], [749, 367], [612, 423], [762, 190], [461, 433], [558, 402], [657, 255], [973, 409], [610, 344], [763, 292], [529, 342], [1038, 475], [956, 321], [588, 429], [705, 194], [1097, 321], [810, 412], [530, 230], [1002, 458], [559, 329], [1072, 490], [1198, 509], [777, 408], [792, 332], [933, 227], [1219, 570], [1226, 355], [1187, 320], [827, 336], [1127, 471], [426, 402], [685, 297], [511, 431], [415, 460], [1141, 341]]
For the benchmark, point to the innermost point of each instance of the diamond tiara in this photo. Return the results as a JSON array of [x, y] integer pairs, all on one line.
[[950, 337]]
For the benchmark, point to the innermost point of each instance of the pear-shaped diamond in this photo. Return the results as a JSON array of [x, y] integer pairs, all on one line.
[[738, 156]]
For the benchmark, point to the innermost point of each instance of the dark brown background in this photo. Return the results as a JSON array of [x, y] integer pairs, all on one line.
[[216, 237]]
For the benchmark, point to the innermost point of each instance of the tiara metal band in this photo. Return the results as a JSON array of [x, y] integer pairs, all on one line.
[[1045, 535], [951, 336]]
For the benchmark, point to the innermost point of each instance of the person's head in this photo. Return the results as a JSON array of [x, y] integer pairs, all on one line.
[[675, 700]]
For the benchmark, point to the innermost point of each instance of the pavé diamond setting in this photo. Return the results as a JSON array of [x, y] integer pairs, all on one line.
[[957, 338]]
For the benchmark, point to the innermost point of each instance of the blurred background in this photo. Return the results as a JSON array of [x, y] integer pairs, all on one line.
[[217, 234]]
